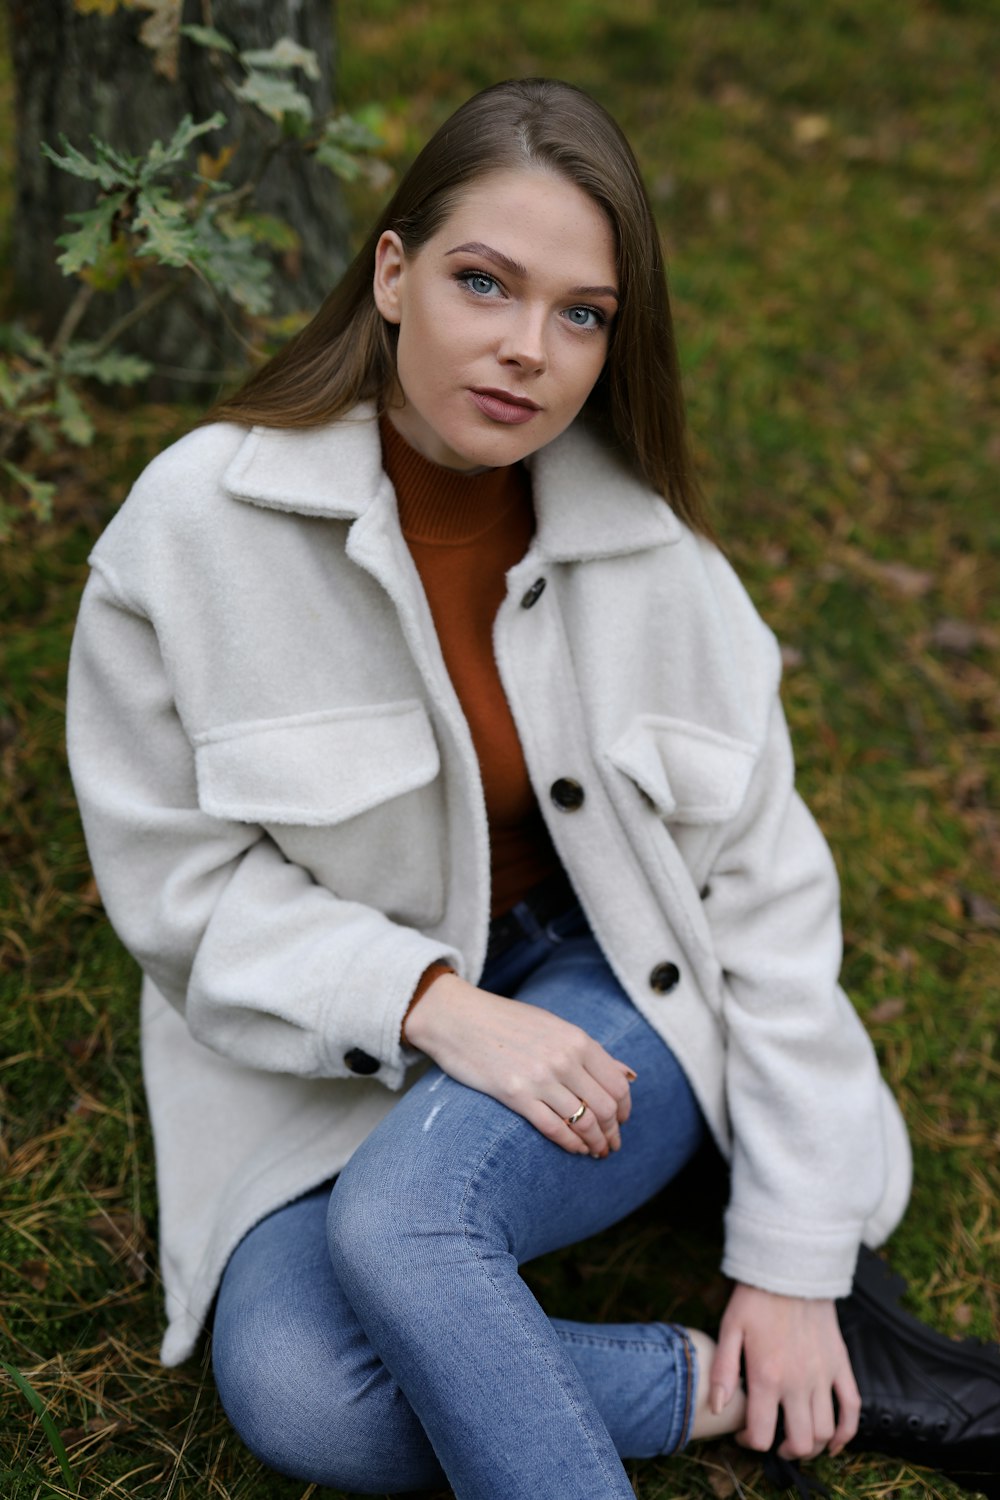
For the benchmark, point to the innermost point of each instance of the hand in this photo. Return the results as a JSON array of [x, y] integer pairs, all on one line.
[[795, 1358], [536, 1063]]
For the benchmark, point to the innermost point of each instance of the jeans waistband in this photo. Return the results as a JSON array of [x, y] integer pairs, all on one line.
[[537, 907]]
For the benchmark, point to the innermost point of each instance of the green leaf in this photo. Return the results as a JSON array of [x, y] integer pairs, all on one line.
[[286, 53], [84, 246], [40, 496], [351, 132], [274, 97], [159, 156], [16, 385], [338, 160], [102, 171], [110, 368], [342, 142], [16, 337], [169, 236], [72, 418], [229, 262], [268, 229], [207, 36]]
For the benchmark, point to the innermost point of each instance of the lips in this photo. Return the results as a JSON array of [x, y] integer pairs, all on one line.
[[502, 406]]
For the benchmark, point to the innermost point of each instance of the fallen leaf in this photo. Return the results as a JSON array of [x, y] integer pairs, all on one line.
[[980, 912], [960, 637], [909, 583], [791, 658], [889, 1009], [124, 1234], [962, 1315], [35, 1271], [93, 1427], [808, 129], [83, 1048]]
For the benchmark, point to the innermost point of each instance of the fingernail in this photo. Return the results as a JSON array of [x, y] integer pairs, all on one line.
[[717, 1399]]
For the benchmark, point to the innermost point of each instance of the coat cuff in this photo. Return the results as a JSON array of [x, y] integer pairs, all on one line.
[[793, 1261], [364, 1021]]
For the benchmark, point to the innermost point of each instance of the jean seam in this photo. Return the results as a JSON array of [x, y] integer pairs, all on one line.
[[690, 1377], [556, 1371]]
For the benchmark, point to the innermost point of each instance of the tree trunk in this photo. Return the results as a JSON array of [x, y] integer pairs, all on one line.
[[82, 75]]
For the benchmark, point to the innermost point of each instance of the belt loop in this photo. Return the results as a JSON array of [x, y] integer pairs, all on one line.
[[529, 922]]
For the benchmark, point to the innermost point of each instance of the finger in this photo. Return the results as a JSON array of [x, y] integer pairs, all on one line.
[[599, 1125], [762, 1415], [554, 1129], [613, 1077], [724, 1375], [823, 1420], [845, 1388], [601, 1138], [800, 1439], [586, 1128]]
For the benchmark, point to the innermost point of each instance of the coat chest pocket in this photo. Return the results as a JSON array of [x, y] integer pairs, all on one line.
[[353, 795], [695, 779]]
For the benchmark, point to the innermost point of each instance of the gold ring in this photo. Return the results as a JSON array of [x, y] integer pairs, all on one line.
[[579, 1114]]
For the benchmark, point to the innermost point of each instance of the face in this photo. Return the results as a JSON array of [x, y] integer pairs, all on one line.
[[504, 319]]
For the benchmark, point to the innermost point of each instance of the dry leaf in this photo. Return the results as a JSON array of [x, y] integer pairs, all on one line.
[[909, 583], [161, 33], [95, 1426], [98, 7], [960, 637], [791, 658], [980, 912], [889, 1009], [808, 129], [35, 1271], [962, 1315], [124, 1234]]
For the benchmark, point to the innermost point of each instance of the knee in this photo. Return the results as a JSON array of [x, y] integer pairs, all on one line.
[[282, 1393]]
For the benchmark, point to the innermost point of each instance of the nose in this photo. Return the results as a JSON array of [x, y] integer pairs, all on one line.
[[523, 342]]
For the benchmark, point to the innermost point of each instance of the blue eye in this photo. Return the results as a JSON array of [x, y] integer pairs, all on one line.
[[585, 317], [478, 282]]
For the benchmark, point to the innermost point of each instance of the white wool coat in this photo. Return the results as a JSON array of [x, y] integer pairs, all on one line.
[[286, 820]]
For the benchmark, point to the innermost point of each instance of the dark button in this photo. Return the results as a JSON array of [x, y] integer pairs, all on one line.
[[361, 1062], [664, 978], [566, 794], [534, 593]]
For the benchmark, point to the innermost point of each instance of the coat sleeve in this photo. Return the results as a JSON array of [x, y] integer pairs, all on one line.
[[268, 967], [808, 1109]]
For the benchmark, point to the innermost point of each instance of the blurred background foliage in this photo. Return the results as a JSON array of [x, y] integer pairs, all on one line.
[[826, 180]]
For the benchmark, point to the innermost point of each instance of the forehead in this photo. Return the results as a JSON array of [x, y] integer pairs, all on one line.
[[536, 217]]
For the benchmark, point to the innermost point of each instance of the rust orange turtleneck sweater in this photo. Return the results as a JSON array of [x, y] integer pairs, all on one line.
[[464, 532]]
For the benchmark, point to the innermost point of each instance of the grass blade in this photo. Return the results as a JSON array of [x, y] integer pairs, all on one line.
[[37, 1405]]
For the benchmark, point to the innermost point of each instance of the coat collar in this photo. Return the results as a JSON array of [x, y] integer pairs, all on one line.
[[587, 503]]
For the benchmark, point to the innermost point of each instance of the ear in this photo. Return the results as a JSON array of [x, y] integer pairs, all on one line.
[[390, 267]]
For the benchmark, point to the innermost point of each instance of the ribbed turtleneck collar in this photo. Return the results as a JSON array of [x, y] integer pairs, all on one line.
[[446, 505]]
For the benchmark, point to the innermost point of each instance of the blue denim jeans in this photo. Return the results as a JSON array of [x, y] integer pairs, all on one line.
[[378, 1337]]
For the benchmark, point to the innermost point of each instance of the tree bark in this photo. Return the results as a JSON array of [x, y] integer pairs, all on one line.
[[83, 75]]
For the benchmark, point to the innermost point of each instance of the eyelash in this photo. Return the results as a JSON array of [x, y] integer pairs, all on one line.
[[466, 278]]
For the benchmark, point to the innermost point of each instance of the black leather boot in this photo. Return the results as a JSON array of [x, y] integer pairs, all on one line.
[[924, 1397]]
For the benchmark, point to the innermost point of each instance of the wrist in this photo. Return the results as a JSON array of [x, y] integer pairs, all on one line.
[[422, 1022]]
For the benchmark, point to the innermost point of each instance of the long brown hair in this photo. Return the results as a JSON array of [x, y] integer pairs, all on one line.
[[347, 352]]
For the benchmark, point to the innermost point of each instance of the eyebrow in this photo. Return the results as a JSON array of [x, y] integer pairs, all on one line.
[[515, 268]]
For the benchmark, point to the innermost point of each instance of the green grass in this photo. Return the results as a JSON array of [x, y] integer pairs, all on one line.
[[825, 178]]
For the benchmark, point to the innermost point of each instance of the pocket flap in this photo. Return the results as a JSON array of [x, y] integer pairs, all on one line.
[[689, 773], [315, 768]]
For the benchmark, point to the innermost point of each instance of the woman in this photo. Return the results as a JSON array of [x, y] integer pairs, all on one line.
[[414, 716]]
